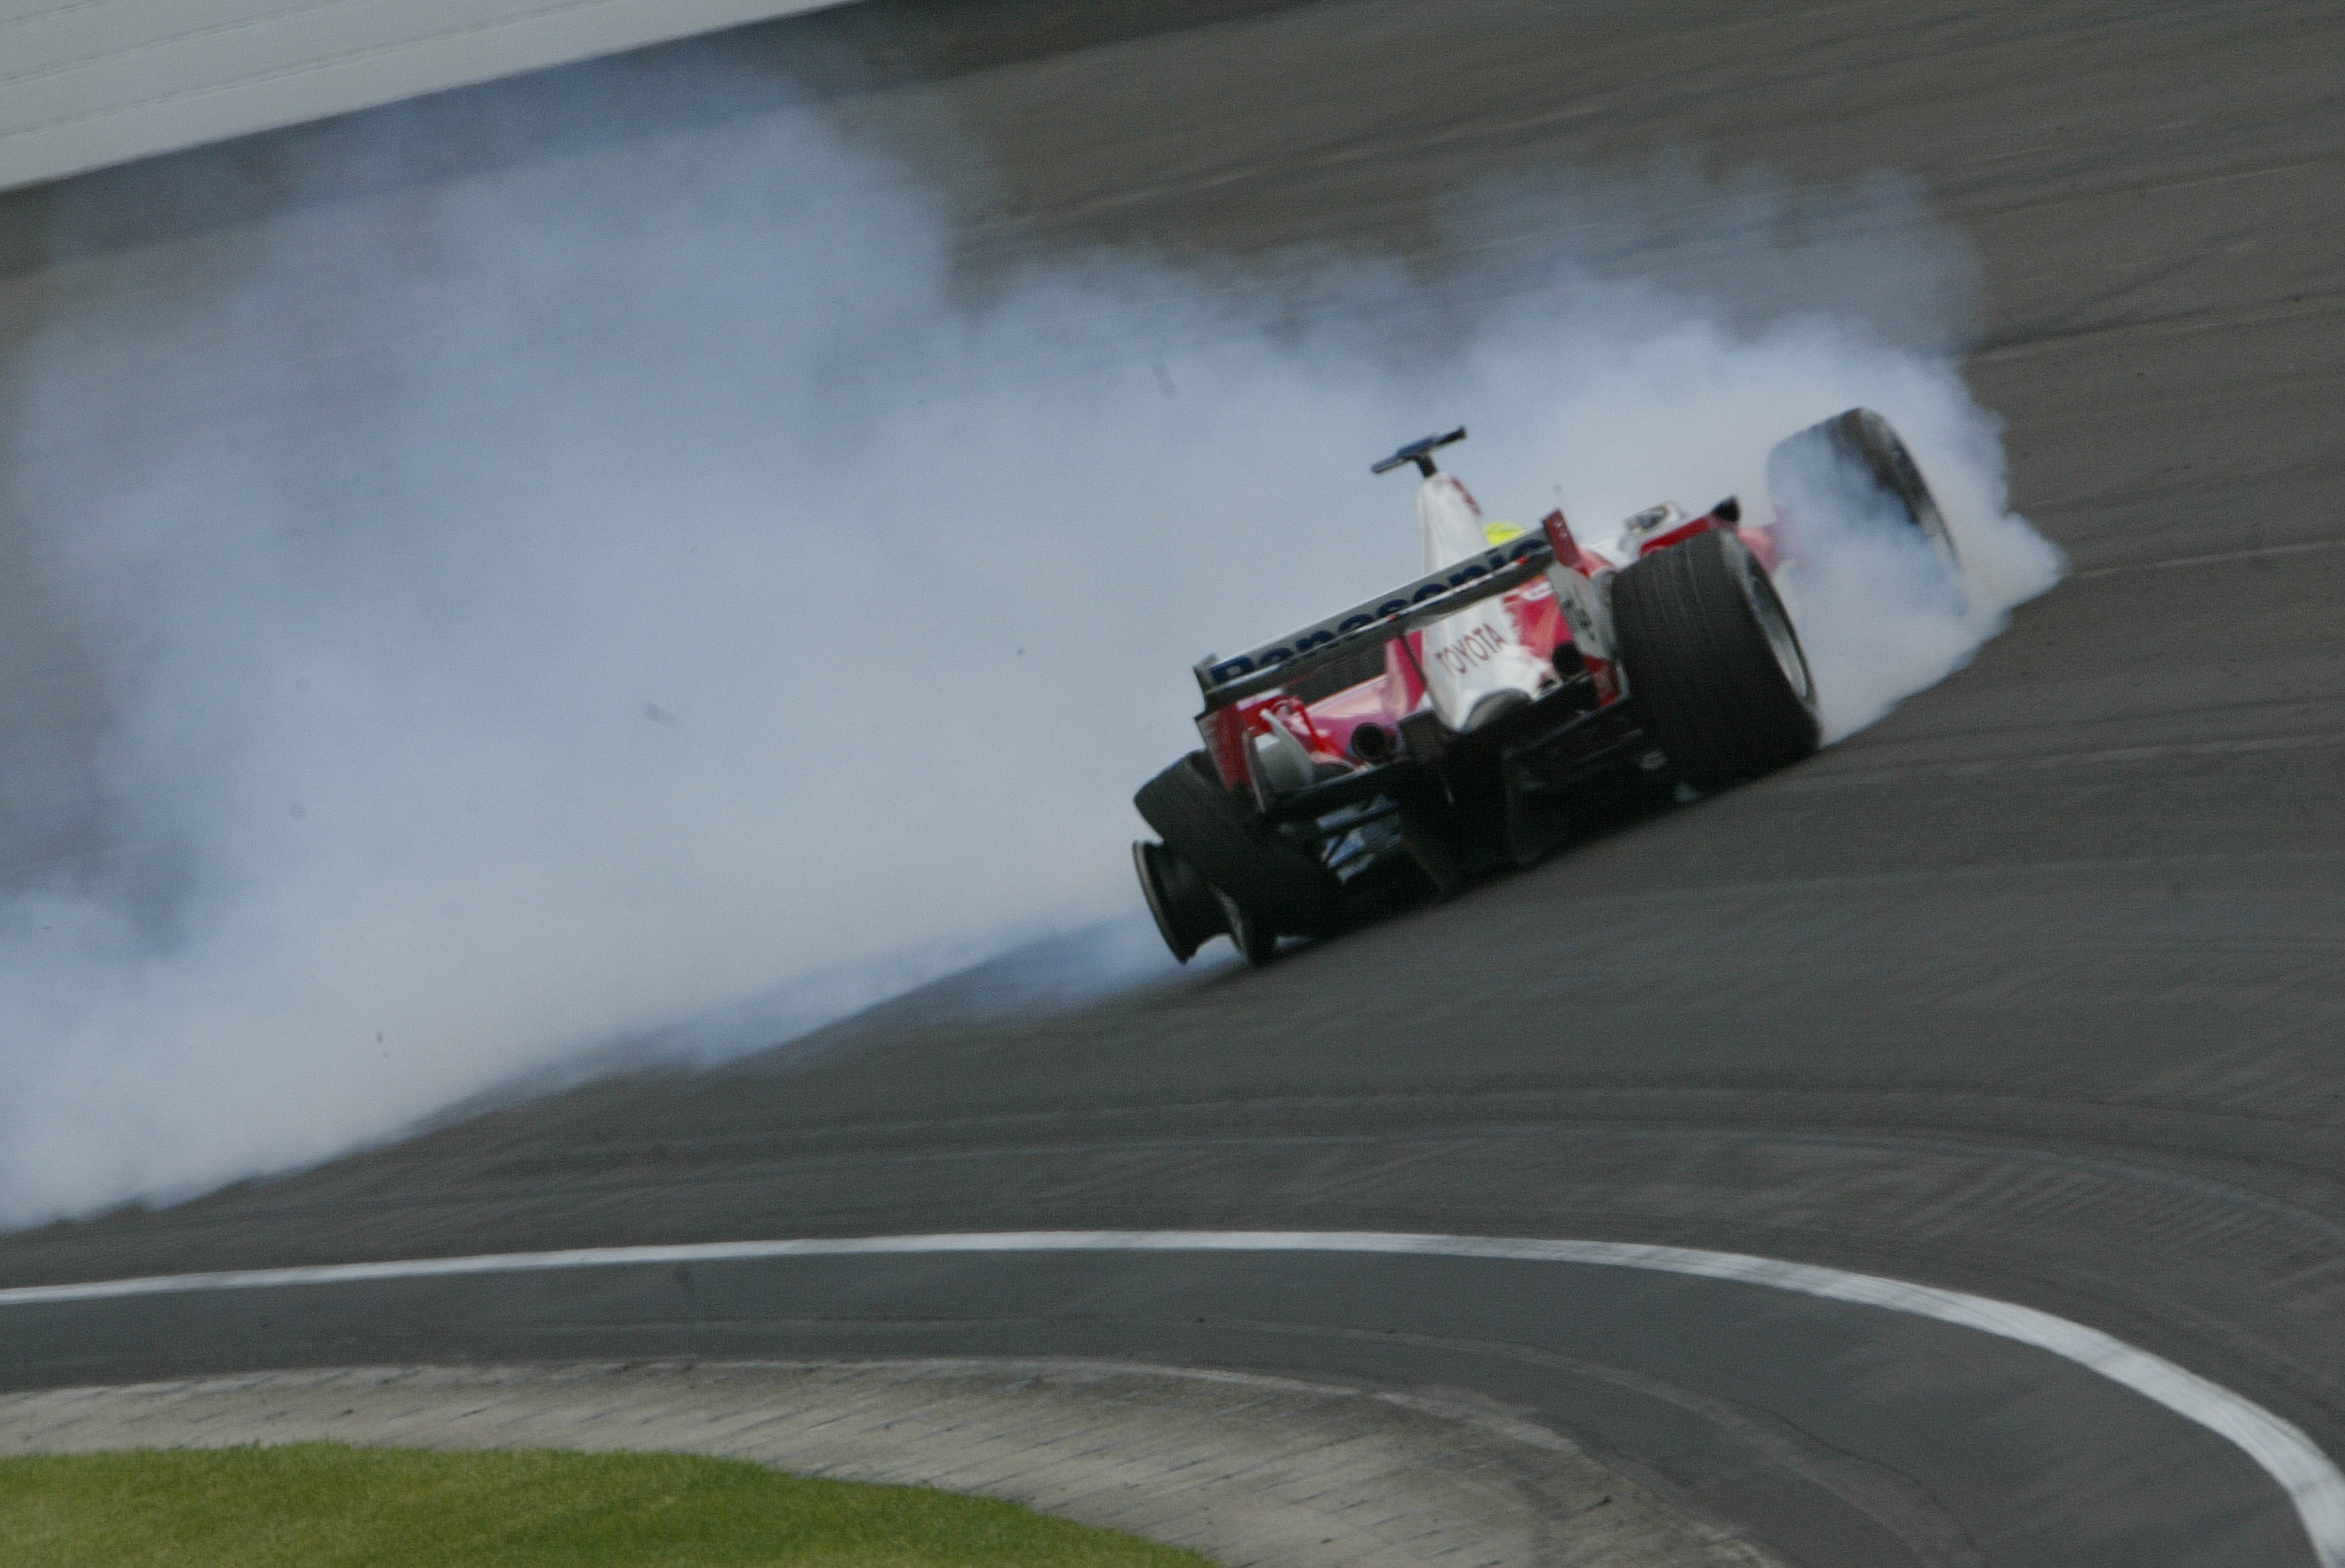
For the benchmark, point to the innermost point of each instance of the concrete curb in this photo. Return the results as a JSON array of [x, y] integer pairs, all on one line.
[[1246, 1469]]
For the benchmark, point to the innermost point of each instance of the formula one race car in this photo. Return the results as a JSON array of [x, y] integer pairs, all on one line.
[[1527, 686]]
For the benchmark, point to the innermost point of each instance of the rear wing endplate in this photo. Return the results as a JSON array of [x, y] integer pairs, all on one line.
[[1380, 620]]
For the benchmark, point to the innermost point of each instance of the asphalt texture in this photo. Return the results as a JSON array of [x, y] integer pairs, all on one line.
[[2033, 990]]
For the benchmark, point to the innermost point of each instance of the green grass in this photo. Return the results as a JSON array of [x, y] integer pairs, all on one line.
[[320, 1505]]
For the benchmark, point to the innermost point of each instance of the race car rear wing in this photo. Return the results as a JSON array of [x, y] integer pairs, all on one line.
[[1380, 620]]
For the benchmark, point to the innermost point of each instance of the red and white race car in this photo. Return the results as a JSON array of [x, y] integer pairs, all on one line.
[[1528, 686]]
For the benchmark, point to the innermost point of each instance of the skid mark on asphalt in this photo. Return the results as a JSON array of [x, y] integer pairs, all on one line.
[[2101, 756], [2217, 557]]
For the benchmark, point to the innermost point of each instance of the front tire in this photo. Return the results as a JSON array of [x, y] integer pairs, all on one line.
[[1856, 464], [1714, 662]]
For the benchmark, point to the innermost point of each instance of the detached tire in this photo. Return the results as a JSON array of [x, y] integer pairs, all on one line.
[[1853, 462], [1278, 890], [1714, 662]]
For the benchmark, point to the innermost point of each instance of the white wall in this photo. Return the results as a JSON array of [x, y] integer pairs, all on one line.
[[89, 83]]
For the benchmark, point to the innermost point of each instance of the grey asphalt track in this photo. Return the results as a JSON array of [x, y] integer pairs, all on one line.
[[2033, 990]]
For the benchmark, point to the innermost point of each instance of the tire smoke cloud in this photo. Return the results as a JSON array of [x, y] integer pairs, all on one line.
[[515, 613]]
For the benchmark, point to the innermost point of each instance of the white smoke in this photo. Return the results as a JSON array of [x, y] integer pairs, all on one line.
[[1688, 413], [535, 607]]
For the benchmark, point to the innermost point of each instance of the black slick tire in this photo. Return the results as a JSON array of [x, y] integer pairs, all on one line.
[[1853, 461], [1714, 662], [1186, 909], [1280, 888], [1253, 935]]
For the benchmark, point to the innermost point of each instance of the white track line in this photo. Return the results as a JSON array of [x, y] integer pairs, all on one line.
[[2281, 1449]]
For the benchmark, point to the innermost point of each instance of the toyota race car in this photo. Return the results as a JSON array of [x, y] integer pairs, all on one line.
[[1527, 686]]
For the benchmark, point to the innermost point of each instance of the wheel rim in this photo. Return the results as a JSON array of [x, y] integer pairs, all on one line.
[[1781, 641], [1174, 900]]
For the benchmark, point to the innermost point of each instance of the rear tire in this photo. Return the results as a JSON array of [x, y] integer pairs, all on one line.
[[1186, 909], [1279, 888], [1714, 662], [1853, 462], [1253, 935]]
